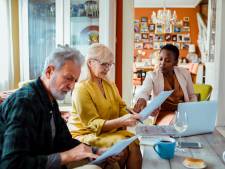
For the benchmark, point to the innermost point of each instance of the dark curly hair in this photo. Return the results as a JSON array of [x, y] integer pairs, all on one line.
[[173, 49]]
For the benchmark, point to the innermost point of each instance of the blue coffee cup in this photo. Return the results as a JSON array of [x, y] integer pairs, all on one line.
[[165, 148]]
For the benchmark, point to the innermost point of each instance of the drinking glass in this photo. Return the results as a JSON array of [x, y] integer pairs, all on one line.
[[180, 124]]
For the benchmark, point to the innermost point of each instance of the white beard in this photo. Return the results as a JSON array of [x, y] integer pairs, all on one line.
[[58, 95]]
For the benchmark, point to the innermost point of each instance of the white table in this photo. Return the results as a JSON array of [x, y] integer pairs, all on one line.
[[213, 147]]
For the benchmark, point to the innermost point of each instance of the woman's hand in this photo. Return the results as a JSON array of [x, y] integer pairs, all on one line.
[[141, 104], [129, 119]]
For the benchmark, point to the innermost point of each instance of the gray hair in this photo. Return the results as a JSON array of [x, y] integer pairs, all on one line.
[[62, 54]]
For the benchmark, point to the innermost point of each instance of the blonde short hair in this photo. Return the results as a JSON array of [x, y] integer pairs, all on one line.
[[100, 52]]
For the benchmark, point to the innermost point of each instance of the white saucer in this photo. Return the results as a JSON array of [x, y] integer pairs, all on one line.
[[195, 167]]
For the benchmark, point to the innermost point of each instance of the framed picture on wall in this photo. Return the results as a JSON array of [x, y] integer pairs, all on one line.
[[151, 37], [186, 19], [168, 28], [177, 45], [159, 28], [176, 29], [156, 38], [161, 38], [174, 38], [184, 46], [137, 37], [144, 35], [156, 45], [161, 44], [136, 28], [186, 38], [179, 23], [138, 45], [185, 29], [144, 19], [167, 37], [179, 38], [152, 28], [186, 24]]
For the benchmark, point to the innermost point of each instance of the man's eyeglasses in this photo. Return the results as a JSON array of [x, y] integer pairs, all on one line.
[[104, 64]]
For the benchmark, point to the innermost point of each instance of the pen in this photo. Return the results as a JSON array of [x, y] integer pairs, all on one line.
[[129, 111]]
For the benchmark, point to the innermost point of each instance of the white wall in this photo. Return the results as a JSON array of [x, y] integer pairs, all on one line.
[[220, 62], [128, 48]]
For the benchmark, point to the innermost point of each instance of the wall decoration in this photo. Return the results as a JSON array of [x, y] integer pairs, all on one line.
[[138, 45], [144, 35], [152, 28], [176, 29], [161, 38], [179, 38], [156, 38], [144, 27], [136, 28], [184, 46], [156, 45], [159, 29], [187, 19], [186, 38], [177, 45], [151, 37], [161, 44], [168, 28], [186, 24], [167, 37], [185, 29], [144, 19], [179, 23], [137, 37], [174, 38]]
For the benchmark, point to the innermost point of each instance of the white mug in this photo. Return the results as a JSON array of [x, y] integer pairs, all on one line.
[[224, 156]]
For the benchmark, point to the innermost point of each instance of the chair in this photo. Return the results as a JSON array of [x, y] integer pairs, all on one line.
[[203, 90]]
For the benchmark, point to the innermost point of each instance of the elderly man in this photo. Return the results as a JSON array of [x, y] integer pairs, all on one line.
[[32, 133]]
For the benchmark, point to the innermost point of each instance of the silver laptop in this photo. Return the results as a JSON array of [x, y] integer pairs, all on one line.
[[201, 116]]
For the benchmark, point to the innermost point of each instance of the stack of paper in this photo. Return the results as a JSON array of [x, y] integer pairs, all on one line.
[[115, 149]]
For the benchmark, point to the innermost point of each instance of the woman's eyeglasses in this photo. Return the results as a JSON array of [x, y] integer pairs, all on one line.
[[104, 64]]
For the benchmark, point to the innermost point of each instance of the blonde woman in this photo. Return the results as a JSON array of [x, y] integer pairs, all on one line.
[[99, 115]]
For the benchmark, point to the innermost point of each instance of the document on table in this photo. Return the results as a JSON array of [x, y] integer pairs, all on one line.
[[152, 130], [114, 150], [154, 104]]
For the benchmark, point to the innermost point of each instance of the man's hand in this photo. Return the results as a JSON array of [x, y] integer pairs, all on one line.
[[77, 153], [141, 104]]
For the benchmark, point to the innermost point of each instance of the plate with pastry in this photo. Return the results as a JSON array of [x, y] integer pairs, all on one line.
[[194, 163]]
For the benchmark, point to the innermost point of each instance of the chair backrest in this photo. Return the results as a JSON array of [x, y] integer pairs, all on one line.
[[204, 90]]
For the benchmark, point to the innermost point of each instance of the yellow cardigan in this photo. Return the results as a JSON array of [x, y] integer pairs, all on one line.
[[90, 111]]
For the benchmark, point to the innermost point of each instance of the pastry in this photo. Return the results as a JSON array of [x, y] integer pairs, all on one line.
[[194, 163]]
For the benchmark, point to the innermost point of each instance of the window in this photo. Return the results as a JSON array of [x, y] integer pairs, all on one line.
[[6, 66]]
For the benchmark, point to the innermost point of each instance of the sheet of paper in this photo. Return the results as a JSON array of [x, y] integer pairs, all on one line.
[[154, 104], [146, 130], [115, 149]]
